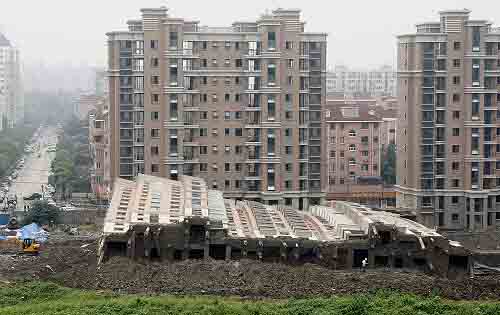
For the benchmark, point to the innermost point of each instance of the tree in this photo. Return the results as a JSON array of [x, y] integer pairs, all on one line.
[[42, 213], [389, 165]]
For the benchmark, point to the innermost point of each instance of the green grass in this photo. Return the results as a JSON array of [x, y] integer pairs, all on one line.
[[46, 298]]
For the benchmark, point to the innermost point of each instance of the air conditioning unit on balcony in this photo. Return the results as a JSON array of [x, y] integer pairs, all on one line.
[[215, 132], [475, 152], [215, 149]]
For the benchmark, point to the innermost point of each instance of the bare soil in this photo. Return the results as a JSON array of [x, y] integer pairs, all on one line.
[[67, 263]]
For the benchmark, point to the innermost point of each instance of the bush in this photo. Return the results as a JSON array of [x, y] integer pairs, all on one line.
[[42, 213]]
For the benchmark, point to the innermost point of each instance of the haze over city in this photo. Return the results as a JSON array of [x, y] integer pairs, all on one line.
[[361, 33]]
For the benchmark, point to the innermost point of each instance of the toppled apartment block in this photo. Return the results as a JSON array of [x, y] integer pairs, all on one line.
[[158, 218]]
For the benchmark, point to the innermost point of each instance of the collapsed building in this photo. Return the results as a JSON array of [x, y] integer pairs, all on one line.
[[161, 219]]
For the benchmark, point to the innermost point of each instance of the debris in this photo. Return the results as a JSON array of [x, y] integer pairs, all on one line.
[[50, 268]]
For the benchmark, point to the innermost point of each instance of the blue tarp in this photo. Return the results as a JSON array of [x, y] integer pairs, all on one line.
[[33, 231]]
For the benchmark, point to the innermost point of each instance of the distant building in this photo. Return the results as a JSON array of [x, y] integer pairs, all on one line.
[[361, 83], [100, 167], [11, 91], [84, 104], [358, 133]]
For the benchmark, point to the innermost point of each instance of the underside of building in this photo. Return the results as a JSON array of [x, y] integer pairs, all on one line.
[[155, 218]]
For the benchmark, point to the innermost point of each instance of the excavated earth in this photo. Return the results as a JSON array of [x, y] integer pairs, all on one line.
[[73, 263]]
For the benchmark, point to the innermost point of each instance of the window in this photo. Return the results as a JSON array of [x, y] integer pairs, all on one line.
[[155, 98], [456, 63], [227, 184], [237, 115], [238, 149], [227, 97], [290, 63], [352, 147], [203, 63], [203, 132], [238, 63], [237, 82], [364, 125], [288, 45], [456, 98], [154, 62], [227, 115], [289, 115], [271, 73], [455, 166], [456, 45], [455, 148], [237, 167], [455, 183], [155, 80], [288, 132], [238, 132], [288, 150], [155, 168], [352, 133], [155, 150], [155, 115], [290, 80], [455, 217], [456, 114], [173, 40], [154, 44], [155, 133], [456, 132], [227, 167], [227, 132], [203, 167], [271, 40], [454, 199], [456, 80], [203, 150]]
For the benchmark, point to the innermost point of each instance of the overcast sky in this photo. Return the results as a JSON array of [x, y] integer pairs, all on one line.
[[361, 33]]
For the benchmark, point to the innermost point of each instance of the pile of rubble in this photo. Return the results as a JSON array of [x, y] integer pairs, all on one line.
[[73, 263]]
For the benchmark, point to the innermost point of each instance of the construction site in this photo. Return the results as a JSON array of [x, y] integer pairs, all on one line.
[[177, 237]]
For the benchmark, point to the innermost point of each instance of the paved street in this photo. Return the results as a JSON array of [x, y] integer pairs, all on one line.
[[36, 169]]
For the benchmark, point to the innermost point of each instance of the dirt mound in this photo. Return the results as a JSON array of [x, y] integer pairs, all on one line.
[[73, 263]]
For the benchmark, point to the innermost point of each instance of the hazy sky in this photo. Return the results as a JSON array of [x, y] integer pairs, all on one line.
[[361, 33]]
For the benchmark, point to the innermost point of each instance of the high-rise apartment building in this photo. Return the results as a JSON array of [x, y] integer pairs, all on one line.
[[343, 81], [11, 92], [239, 106], [449, 129]]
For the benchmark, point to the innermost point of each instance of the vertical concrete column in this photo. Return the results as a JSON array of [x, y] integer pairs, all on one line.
[[485, 213], [132, 245], [306, 204], [371, 258], [349, 259], [228, 251], [295, 203]]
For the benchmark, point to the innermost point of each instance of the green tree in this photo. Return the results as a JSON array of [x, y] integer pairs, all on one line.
[[389, 165], [42, 213]]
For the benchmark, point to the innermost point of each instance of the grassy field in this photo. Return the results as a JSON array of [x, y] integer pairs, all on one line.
[[46, 298]]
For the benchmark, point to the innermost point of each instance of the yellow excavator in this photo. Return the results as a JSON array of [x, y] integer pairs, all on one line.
[[11, 243]]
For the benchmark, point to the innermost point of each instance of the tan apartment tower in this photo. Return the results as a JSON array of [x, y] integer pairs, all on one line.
[[448, 165], [232, 105]]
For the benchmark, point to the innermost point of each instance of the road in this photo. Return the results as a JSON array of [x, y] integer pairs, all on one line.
[[35, 172]]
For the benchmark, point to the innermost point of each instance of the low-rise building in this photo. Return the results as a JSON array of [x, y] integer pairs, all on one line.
[[359, 133]]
